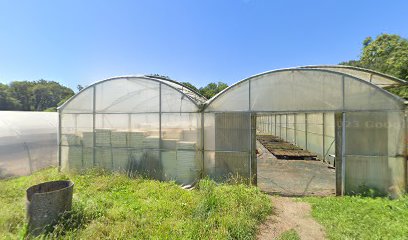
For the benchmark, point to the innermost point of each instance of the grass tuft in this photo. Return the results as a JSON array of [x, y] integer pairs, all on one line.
[[289, 235]]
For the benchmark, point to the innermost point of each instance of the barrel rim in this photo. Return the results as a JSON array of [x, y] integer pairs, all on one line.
[[30, 196]]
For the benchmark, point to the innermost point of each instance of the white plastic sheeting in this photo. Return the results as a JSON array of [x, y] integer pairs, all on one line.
[[138, 125], [28, 142], [370, 119]]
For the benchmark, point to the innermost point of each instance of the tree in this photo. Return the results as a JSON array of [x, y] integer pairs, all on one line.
[[21, 90], [208, 91], [212, 89], [33, 96], [401, 91], [46, 94], [388, 54], [7, 101]]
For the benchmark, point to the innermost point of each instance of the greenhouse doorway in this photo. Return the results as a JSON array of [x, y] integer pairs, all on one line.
[[295, 153]]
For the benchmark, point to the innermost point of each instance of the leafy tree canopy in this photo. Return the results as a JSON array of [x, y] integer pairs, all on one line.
[[7, 101], [33, 96], [208, 91], [212, 89], [388, 54]]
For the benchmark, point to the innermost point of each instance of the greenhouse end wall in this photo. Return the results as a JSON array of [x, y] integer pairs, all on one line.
[[109, 125], [301, 105]]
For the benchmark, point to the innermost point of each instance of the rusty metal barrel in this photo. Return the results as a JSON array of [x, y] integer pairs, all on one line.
[[46, 202]]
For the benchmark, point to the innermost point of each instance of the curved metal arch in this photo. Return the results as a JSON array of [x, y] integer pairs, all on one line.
[[358, 69], [198, 95], [397, 99], [198, 105]]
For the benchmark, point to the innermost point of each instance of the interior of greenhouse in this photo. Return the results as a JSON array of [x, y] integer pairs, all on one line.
[[297, 131]]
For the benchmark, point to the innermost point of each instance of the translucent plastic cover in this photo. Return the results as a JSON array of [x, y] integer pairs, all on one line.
[[136, 125], [28, 142], [373, 77], [303, 90], [233, 99], [128, 95]]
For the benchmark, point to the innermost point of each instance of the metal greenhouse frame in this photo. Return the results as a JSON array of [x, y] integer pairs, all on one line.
[[160, 128]]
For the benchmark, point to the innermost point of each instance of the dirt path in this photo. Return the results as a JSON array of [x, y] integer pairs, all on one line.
[[289, 214]]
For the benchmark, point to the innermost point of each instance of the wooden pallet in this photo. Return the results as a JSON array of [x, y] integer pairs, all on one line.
[[284, 150], [283, 146], [293, 154]]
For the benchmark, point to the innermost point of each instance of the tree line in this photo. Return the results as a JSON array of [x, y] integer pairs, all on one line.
[[38, 95]]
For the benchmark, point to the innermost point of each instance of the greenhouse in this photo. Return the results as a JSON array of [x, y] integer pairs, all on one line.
[[160, 128], [28, 142]]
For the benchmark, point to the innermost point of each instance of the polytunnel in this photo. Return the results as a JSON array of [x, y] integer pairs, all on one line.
[[162, 129], [311, 106], [144, 125], [28, 142]]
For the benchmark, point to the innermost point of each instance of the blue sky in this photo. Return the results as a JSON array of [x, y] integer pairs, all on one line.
[[80, 42]]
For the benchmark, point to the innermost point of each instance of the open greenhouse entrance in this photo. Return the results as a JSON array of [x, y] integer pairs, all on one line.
[[296, 153]]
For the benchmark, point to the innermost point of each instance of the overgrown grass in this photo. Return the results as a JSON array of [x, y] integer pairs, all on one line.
[[107, 206], [357, 217]]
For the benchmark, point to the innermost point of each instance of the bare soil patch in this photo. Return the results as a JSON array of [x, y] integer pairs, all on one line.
[[289, 214]]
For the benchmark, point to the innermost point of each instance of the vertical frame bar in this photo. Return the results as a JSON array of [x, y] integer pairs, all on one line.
[[323, 136], [406, 149], [338, 119], [254, 169], [343, 139], [93, 125], [306, 129], [343, 153], [286, 127], [294, 128], [202, 146], [59, 141], [275, 126], [251, 160], [280, 126], [340, 139], [160, 122], [129, 122]]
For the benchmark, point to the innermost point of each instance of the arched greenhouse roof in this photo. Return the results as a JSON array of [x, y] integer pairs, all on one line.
[[129, 94], [311, 88], [317, 88], [379, 79]]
